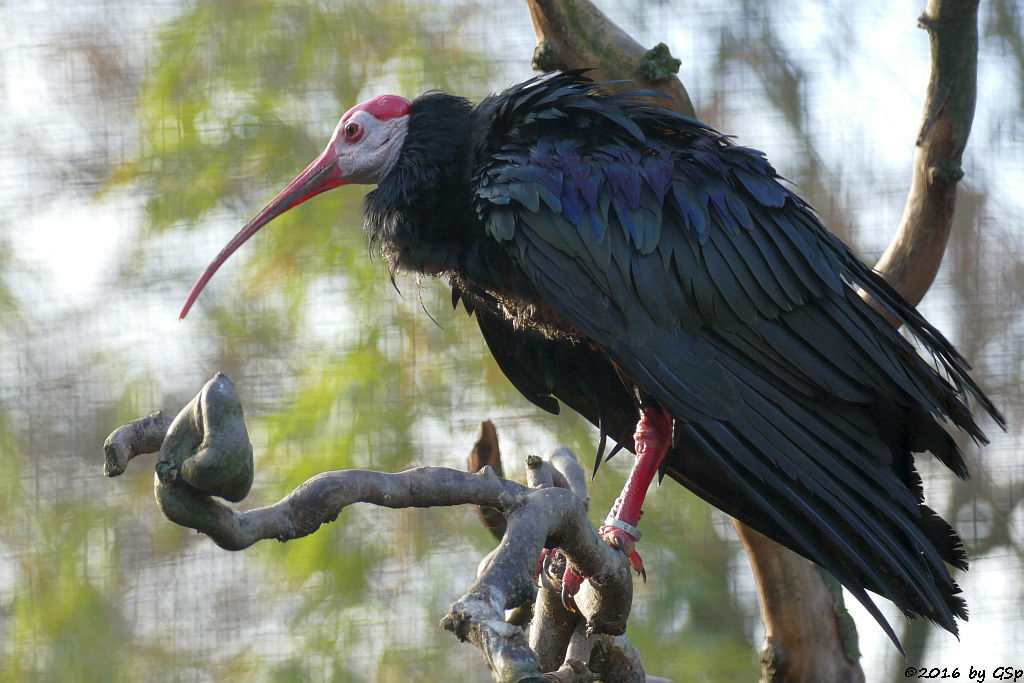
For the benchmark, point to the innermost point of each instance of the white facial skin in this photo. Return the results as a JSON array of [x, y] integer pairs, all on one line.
[[367, 147], [363, 149]]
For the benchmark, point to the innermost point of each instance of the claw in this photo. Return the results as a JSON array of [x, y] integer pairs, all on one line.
[[551, 560], [571, 582], [638, 565], [567, 601], [541, 564]]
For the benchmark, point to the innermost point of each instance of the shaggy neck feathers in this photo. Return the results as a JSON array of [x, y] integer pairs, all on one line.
[[420, 216]]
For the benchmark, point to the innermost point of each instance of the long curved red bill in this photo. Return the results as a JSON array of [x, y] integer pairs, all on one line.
[[320, 176]]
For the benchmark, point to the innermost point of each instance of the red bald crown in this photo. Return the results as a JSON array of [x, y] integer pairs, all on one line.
[[382, 107]]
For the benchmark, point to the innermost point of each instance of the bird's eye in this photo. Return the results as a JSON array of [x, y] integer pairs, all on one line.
[[353, 131]]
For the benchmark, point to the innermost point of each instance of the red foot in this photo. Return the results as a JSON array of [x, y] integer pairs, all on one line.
[[621, 540], [570, 580]]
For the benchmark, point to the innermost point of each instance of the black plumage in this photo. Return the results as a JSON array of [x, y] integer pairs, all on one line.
[[615, 252], [620, 256]]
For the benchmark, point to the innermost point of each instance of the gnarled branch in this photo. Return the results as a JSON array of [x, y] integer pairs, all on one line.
[[205, 453]]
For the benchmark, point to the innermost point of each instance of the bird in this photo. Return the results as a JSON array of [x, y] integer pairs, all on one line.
[[648, 272]]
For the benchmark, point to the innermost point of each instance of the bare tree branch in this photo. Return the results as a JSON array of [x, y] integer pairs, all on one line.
[[487, 453], [915, 253], [205, 453], [135, 438], [574, 34], [809, 635], [623, 665]]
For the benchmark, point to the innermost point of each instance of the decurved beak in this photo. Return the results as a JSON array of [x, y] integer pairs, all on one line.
[[321, 175]]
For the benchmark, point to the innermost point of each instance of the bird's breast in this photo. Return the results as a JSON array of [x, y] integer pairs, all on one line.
[[513, 299]]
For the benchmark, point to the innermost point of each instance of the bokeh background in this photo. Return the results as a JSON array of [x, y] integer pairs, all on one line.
[[135, 138]]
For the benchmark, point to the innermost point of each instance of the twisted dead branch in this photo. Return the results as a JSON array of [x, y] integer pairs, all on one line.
[[205, 454]]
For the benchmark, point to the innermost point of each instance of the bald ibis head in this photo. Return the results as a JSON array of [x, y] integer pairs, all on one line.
[[363, 148]]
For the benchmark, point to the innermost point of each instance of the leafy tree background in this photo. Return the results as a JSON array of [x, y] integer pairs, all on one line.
[[138, 137]]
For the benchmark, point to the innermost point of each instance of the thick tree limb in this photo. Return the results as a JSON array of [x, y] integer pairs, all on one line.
[[574, 34], [915, 253], [809, 635]]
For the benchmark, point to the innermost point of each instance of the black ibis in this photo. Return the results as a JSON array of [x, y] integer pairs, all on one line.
[[627, 260]]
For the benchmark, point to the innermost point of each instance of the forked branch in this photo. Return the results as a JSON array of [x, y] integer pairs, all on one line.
[[205, 453]]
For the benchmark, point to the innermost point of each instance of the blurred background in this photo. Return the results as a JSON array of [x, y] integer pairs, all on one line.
[[138, 137]]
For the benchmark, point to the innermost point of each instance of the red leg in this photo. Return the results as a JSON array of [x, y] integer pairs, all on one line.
[[653, 438]]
